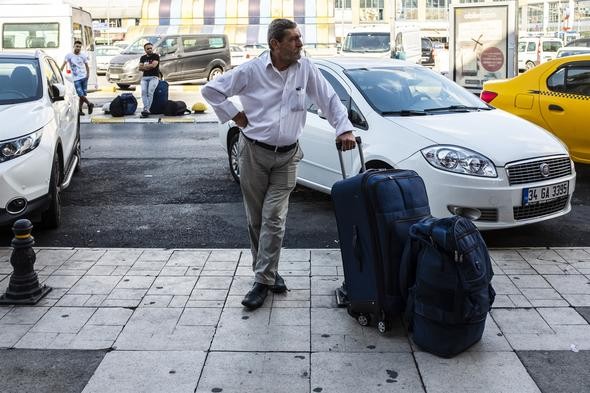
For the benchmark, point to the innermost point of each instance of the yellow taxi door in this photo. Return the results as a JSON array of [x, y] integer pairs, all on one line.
[[564, 100]]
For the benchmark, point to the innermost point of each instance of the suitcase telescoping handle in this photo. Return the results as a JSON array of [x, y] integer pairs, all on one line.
[[359, 143]]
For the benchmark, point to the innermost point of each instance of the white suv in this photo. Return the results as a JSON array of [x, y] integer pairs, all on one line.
[[39, 137]]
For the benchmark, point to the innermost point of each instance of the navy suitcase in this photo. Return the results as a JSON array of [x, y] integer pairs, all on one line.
[[160, 98], [374, 211]]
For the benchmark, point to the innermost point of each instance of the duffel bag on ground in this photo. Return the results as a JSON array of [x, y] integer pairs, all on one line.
[[446, 275], [175, 108], [124, 104]]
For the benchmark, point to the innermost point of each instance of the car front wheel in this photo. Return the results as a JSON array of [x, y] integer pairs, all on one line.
[[214, 73], [78, 147], [52, 217], [123, 85], [232, 149]]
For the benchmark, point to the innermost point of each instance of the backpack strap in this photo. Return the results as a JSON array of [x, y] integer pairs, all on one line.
[[407, 266]]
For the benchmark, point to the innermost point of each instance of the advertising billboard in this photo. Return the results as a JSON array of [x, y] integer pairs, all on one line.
[[482, 43]]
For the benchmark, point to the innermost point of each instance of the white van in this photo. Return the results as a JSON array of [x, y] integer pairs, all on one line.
[[50, 25], [376, 41], [368, 40], [533, 51], [407, 42]]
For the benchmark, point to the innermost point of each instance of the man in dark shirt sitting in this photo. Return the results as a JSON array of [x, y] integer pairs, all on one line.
[[150, 65]]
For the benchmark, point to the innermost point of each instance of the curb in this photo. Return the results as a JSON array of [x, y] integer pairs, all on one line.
[[163, 119]]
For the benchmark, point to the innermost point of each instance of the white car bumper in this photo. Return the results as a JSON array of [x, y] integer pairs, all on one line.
[[500, 203], [26, 177]]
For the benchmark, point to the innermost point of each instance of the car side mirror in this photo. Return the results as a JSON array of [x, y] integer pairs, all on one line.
[[57, 92], [321, 114]]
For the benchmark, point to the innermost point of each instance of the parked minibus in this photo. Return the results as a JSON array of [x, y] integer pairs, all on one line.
[[50, 25]]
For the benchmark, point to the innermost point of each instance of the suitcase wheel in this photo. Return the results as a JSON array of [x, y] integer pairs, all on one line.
[[383, 326], [363, 320]]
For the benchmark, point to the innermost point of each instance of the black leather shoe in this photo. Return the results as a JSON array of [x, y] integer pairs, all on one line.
[[255, 297], [279, 286]]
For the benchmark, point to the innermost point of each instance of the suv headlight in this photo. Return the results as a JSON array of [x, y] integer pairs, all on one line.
[[17, 147], [459, 160]]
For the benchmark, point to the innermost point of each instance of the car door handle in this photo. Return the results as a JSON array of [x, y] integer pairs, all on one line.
[[555, 108]]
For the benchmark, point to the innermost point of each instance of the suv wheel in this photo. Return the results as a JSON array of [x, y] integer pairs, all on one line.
[[123, 85], [214, 73], [78, 147], [52, 217]]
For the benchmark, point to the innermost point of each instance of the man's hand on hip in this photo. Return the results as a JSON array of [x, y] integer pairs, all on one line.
[[347, 140], [240, 119]]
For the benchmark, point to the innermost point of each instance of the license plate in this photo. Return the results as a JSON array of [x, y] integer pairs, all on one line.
[[534, 195], [114, 76]]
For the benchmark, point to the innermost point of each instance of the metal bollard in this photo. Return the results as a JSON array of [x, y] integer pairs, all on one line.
[[23, 288]]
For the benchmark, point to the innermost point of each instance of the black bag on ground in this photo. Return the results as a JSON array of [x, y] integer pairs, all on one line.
[[446, 276], [160, 98], [175, 108], [124, 104], [374, 211]]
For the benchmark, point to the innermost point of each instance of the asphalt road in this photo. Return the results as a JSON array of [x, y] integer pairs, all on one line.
[[168, 185]]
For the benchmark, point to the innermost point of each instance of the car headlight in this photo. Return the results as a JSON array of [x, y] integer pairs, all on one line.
[[131, 64], [459, 160], [19, 146]]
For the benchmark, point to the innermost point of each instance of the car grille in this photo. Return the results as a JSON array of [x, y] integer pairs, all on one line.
[[529, 171], [490, 215], [540, 209], [115, 70]]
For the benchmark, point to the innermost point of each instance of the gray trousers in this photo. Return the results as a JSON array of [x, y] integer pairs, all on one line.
[[266, 179], [148, 86]]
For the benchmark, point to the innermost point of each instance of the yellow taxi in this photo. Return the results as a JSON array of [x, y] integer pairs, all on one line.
[[555, 95]]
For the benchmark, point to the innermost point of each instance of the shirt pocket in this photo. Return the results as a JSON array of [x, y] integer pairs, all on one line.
[[298, 100]]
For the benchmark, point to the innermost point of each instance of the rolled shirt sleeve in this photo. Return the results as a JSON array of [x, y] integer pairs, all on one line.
[[217, 92]]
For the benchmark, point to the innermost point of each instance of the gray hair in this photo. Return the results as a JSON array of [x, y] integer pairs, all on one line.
[[276, 29]]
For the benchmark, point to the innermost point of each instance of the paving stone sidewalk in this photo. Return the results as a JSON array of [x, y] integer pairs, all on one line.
[[170, 320]]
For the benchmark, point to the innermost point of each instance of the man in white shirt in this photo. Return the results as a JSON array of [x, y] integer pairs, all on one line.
[[272, 89], [78, 62]]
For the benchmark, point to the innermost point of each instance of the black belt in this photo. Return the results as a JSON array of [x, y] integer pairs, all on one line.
[[277, 149]]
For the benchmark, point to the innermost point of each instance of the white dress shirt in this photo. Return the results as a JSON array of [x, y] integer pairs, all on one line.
[[274, 102]]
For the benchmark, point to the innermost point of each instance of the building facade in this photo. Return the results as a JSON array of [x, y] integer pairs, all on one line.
[[323, 22]]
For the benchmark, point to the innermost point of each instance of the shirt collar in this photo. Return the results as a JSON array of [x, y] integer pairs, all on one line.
[[268, 61]]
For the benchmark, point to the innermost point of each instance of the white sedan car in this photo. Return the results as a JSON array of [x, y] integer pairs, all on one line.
[[104, 54], [39, 137], [475, 160]]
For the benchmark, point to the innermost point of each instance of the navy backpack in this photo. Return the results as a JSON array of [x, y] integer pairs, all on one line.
[[445, 277], [124, 104], [160, 98]]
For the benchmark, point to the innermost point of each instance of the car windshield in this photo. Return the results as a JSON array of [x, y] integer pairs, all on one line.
[[20, 81], [136, 48], [409, 90], [366, 42]]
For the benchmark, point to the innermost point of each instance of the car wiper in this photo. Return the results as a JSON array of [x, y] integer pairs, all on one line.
[[404, 112], [463, 108]]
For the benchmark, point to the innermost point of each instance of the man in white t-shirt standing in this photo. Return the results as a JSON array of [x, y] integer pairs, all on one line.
[[78, 62]]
